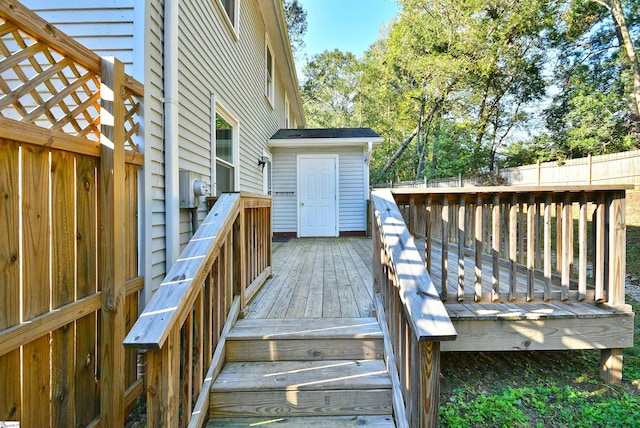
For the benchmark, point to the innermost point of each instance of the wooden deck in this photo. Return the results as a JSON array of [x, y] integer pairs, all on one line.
[[308, 352], [318, 278]]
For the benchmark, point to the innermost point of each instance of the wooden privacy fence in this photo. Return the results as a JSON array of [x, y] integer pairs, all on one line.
[[184, 326], [410, 308], [69, 228], [615, 168], [570, 241]]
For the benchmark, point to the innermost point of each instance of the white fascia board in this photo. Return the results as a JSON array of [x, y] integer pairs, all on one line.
[[324, 142]]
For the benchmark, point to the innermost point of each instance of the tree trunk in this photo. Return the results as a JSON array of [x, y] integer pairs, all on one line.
[[615, 8], [434, 109], [410, 138]]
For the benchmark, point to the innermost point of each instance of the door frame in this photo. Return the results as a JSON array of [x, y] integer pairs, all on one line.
[[336, 159]]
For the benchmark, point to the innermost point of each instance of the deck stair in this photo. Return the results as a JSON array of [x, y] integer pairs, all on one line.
[[302, 373]]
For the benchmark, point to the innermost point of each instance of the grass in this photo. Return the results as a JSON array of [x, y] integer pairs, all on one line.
[[539, 389]]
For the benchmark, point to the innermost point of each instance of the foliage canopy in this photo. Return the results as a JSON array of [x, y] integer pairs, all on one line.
[[465, 86]]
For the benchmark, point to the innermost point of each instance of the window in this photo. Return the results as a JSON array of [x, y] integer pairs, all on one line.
[[224, 149], [232, 10], [269, 71]]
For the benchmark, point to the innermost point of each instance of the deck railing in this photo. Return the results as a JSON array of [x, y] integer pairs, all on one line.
[[410, 308], [184, 325], [568, 241]]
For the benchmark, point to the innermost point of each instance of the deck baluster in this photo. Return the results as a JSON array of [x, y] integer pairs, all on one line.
[[547, 248], [513, 247], [495, 246], [479, 245], [461, 241], [444, 265]]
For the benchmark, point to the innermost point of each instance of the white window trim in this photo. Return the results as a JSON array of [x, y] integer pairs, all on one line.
[[265, 173], [287, 112], [269, 88], [234, 26], [217, 108]]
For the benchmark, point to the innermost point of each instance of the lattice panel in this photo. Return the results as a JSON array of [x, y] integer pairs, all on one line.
[[42, 87], [39, 85], [131, 121]]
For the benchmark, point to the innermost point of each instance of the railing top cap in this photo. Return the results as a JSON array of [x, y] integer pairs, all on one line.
[[511, 189]]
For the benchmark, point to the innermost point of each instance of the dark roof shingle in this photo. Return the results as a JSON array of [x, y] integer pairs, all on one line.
[[333, 133]]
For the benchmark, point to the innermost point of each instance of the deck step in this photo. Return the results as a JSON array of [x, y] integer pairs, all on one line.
[[384, 421], [305, 339], [302, 388]]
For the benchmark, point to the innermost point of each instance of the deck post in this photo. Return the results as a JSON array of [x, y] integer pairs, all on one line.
[[611, 359], [240, 258], [111, 205], [611, 366], [617, 249], [429, 386]]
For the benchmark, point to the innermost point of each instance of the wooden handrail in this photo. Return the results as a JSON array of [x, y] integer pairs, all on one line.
[[417, 320], [512, 227], [183, 326], [177, 292]]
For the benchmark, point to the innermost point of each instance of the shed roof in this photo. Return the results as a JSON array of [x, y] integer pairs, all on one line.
[[325, 137]]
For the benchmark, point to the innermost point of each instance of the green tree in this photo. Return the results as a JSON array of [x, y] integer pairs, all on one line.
[[465, 61], [329, 90], [296, 18], [594, 109]]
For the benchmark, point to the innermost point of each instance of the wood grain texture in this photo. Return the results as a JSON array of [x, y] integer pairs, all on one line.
[[461, 244], [112, 246], [425, 312], [429, 386], [63, 262], [384, 421], [302, 403], [36, 360], [131, 265], [175, 296], [35, 259], [304, 350], [617, 249], [611, 366], [10, 404], [542, 334], [478, 245], [302, 376]]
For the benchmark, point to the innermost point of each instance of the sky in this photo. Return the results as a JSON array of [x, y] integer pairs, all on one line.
[[349, 25]]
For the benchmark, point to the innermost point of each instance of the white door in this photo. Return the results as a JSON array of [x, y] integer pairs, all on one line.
[[317, 179]]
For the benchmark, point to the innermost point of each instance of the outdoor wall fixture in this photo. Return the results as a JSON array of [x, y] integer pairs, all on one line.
[[262, 161]]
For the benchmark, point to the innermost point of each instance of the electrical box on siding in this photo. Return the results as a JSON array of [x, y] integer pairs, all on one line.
[[191, 188]]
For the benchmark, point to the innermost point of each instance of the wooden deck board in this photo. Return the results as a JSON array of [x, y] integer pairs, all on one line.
[[302, 376], [318, 278], [385, 421]]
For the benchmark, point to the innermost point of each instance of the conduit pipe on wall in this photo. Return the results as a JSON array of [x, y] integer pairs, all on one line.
[[171, 148]]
